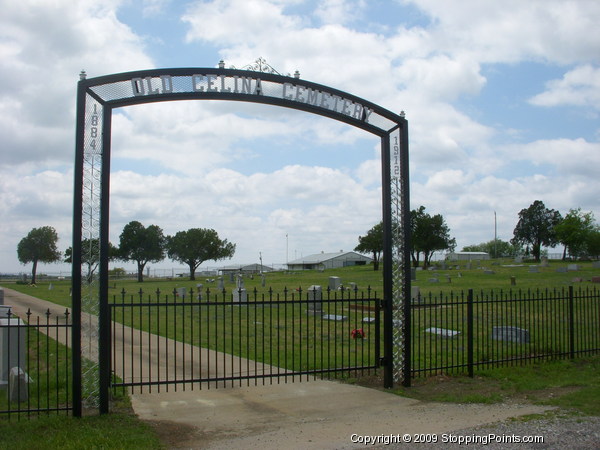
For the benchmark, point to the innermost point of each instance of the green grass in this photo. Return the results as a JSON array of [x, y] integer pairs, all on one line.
[[571, 385], [462, 279], [112, 431]]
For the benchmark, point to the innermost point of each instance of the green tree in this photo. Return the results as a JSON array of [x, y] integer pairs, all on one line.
[[536, 227], [38, 246], [574, 231], [142, 245], [196, 245], [496, 248], [372, 243], [90, 255], [593, 244], [429, 234]]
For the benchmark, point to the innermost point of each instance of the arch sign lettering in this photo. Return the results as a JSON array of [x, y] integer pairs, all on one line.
[[96, 100]]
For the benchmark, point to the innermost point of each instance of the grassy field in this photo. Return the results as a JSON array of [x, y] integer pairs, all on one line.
[[459, 278]]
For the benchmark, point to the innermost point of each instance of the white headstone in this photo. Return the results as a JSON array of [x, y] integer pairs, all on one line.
[[17, 385], [240, 295], [334, 283], [12, 333]]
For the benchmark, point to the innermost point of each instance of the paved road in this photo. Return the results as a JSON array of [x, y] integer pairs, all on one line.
[[306, 415]]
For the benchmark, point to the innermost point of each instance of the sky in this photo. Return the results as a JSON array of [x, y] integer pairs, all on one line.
[[502, 101]]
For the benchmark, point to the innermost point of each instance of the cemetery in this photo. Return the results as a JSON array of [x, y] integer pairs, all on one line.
[[308, 328]]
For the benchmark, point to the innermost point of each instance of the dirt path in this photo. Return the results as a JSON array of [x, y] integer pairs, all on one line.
[[300, 415]]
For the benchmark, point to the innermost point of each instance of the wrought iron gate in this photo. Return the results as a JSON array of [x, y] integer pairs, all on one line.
[[205, 339]]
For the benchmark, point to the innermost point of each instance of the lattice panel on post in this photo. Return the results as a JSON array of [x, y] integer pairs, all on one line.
[[92, 184], [398, 262]]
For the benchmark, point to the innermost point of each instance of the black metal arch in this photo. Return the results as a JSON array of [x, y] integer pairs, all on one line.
[[96, 99]]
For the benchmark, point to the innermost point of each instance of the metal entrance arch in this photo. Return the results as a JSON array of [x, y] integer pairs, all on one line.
[[96, 99]]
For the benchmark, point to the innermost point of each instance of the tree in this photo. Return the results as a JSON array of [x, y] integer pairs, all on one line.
[[536, 227], [90, 255], [496, 248], [429, 234], [574, 231], [593, 244], [38, 246], [142, 245], [196, 245], [372, 243]]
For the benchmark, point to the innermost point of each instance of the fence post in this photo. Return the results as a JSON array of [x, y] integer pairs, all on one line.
[[470, 332], [571, 324]]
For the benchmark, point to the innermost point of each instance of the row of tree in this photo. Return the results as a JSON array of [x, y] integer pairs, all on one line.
[[538, 226], [137, 243], [429, 233]]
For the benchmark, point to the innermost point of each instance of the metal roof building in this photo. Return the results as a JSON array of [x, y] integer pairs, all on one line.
[[246, 268], [329, 261]]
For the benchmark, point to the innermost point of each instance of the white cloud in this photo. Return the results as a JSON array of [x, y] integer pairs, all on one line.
[[578, 87], [513, 30]]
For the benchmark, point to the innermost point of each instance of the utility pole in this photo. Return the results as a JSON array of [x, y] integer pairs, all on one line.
[[495, 236]]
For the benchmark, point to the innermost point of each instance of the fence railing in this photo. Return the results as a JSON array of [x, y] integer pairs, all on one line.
[[214, 338], [457, 333], [35, 364]]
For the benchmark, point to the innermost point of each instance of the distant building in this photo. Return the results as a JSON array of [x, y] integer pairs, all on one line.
[[245, 268], [467, 256], [329, 261]]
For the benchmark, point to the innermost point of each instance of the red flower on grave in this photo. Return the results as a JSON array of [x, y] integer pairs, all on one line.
[[358, 333]]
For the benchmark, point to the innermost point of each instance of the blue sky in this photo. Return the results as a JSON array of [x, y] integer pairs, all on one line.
[[502, 100]]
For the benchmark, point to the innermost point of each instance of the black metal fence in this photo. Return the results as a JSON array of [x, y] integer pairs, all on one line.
[[35, 364], [210, 339], [457, 333]]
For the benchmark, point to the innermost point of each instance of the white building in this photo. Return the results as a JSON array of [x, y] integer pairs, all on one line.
[[245, 268], [467, 256], [329, 261]]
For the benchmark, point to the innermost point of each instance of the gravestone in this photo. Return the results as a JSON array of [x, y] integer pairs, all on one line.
[[240, 295], [240, 282], [510, 334], [263, 280], [11, 332], [221, 284], [334, 283], [595, 265], [315, 295], [181, 293], [544, 262], [433, 280], [513, 281], [335, 317], [231, 277], [5, 311], [199, 287], [415, 294], [534, 269], [595, 279], [561, 270], [442, 332], [489, 272], [17, 385], [468, 265], [573, 267], [413, 273], [369, 320], [519, 259]]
